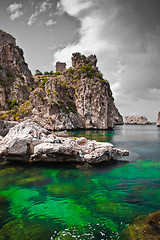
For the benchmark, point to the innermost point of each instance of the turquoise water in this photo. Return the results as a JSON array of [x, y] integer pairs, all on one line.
[[65, 202]]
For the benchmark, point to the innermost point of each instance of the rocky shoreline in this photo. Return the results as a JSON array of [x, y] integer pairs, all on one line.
[[29, 142]]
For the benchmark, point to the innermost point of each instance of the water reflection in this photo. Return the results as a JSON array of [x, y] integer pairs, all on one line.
[[99, 135]]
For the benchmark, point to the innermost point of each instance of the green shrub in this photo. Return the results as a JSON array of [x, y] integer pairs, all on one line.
[[88, 69], [99, 75], [31, 88], [71, 107], [22, 78], [38, 72], [55, 94], [90, 74], [57, 73], [48, 91], [46, 73], [77, 77], [44, 82], [13, 103], [71, 70]]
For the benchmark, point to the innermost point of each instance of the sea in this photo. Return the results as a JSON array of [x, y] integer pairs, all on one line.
[[66, 201]]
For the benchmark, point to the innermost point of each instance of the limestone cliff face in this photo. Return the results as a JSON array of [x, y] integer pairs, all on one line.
[[15, 77], [118, 119], [80, 98], [93, 99], [77, 98]]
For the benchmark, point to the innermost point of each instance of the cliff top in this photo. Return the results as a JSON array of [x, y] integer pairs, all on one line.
[[6, 38], [78, 60]]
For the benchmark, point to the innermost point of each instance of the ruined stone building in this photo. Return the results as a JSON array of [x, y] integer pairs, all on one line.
[[60, 67]]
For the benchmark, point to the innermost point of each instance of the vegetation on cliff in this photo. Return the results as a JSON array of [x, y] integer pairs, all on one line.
[[77, 98]]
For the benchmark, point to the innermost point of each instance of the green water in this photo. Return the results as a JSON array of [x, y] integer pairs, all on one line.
[[47, 201]]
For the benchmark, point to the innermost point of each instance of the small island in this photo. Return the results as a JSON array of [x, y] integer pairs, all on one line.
[[137, 120]]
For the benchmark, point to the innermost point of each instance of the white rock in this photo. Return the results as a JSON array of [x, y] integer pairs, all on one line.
[[25, 142], [81, 141]]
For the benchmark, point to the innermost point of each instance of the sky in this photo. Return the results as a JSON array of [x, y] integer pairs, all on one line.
[[123, 34]]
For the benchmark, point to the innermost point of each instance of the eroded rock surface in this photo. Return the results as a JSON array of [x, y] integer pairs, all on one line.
[[15, 77], [27, 141]]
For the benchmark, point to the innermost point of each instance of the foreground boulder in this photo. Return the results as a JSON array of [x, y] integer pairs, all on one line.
[[27, 141], [139, 120]]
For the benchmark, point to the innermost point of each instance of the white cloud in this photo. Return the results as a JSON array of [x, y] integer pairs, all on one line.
[[60, 10], [40, 8], [14, 7], [15, 10], [128, 57], [15, 15], [44, 5], [32, 18], [50, 22], [74, 8]]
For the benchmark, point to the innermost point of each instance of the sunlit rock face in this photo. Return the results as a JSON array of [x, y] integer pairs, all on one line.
[[15, 77]]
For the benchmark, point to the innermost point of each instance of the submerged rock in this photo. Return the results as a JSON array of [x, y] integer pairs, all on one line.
[[139, 120], [144, 229], [27, 141]]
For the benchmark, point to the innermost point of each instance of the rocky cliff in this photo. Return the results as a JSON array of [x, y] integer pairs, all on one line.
[[15, 77], [78, 98]]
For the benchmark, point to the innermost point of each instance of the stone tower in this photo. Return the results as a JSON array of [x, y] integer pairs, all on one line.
[[60, 67]]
